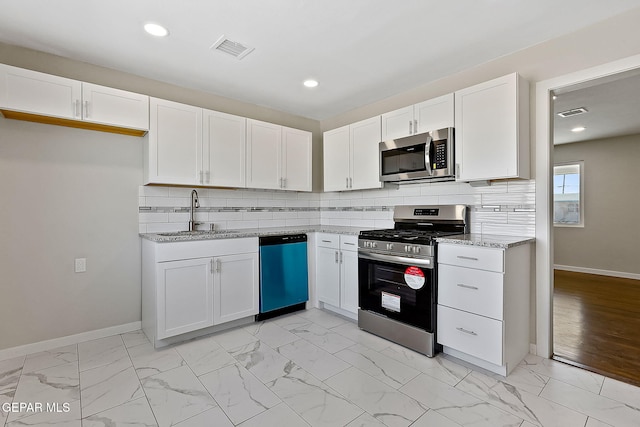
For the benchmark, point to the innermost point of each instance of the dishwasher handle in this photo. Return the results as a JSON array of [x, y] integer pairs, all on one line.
[[282, 239]]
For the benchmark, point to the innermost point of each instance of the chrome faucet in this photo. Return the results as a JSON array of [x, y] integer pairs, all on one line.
[[195, 203]]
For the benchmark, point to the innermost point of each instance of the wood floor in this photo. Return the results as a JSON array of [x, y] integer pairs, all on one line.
[[597, 324]]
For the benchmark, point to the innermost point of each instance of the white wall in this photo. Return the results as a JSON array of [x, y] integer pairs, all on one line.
[[66, 194]]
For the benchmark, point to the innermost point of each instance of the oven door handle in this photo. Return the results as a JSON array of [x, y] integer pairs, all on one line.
[[427, 263]]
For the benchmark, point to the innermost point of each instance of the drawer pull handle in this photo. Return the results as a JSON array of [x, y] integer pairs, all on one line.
[[352, 244], [467, 331], [327, 241], [468, 257], [462, 285]]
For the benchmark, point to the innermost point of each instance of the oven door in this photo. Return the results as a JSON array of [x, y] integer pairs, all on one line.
[[399, 288]]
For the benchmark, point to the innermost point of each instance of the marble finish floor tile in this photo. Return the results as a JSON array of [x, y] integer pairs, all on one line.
[[527, 406], [379, 366], [365, 420], [326, 339], [560, 371], [10, 371], [357, 335], [323, 318], [51, 358], [234, 338], [262, 361], [59, 384], [176, 396], [132, 339], [456, 405], [271, 334], [277, 416], [385, 403], [434, 419], [622, 392], [58, 417], [318, 404], [239, 394], [136, 413], [213, 417], [204, 355], [592, 422], [109, 386], [149, 361], [101, 352], [290, 321], [437, 367], [599, 407], [313, 359]]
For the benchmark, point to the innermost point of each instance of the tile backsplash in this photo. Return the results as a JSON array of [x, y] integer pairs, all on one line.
[[505, 207]]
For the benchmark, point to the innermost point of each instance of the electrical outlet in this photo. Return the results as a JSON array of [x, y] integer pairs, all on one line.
[[81, 265]]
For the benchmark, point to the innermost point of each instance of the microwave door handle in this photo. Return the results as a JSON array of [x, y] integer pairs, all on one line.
[[427, 154]]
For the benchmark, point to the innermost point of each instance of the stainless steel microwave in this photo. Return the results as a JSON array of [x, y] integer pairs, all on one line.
[[426, 156]]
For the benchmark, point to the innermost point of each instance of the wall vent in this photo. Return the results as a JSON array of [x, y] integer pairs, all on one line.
[[573, 112], [235, 49]]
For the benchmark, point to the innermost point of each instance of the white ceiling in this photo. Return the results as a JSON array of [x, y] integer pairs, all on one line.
[[612, 104], [361, 51]]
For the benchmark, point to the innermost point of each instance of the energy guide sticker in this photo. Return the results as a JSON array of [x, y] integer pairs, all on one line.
[[414, 277]]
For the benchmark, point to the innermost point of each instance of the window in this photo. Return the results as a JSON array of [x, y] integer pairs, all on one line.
[[568, 191]]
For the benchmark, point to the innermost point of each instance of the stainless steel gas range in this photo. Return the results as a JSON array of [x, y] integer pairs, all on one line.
[[397, 274]]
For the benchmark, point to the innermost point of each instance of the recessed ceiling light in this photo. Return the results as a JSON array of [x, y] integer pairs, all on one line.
[[156, 30], [310, 83], [578, 129]]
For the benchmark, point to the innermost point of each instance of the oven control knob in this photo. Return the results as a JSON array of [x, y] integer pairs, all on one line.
[[416, 250], [389, 246], [374, 245], [407, 248]]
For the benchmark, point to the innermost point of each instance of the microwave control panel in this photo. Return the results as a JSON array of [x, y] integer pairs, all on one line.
[[440, 155]]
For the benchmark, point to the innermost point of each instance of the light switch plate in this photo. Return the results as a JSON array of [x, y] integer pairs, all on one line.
[[81, 265]]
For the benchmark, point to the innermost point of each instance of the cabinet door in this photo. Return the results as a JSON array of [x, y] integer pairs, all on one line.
[[365, 154], [223, 149], [488, 137], [174, 143], [398, 123], [264, 155], [235, 287], [436, 113], [184, 296], [328, 278], [114, 107], [335, 146], [349, 281], [39, 93], [296, 159]]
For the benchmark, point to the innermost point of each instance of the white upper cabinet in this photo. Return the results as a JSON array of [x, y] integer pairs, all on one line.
[[336, 148], [351, 156], [433, 114], [492, 130], [264, 155], [39, 93], [109, 106], [278, 157], [296, 159], [365, 154], [174, 144], [223, 150], [35, 96]]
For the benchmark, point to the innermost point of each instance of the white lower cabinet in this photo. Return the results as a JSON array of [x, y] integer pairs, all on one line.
[[483, 304], [235, 288], [337, 272], [190, 287]]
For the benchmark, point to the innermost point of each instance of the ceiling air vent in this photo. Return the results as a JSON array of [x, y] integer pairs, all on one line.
[[573, 112], [232, 48]]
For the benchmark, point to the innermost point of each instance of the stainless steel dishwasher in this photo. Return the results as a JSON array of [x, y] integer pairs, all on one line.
[[284, 284]]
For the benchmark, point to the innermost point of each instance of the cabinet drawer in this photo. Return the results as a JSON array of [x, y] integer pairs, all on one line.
[[471, 256], [475, 335], [348, 243], [329, 240], [475, 291]]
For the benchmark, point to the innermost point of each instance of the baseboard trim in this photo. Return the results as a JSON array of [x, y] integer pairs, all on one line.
[[610, 273], [37, 347]]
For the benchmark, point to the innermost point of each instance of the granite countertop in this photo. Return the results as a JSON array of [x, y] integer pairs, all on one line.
[[486, 240], [164, 237]]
